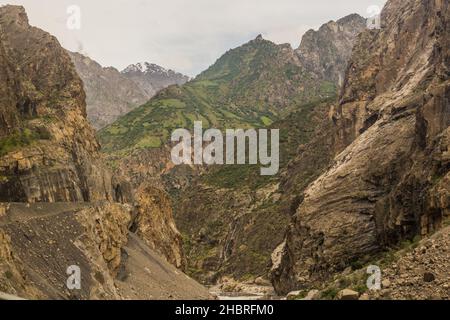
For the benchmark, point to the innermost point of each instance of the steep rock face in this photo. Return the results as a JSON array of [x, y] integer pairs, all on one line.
[[155, 225], [148, 173], [48, 151], [390, 182], [9, 118], [52, 154], [326, 51], [151, 78], [49, 156], [109, 93]]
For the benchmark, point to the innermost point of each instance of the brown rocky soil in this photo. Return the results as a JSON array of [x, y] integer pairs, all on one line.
[[421, 274], [39, 241], [414, 270], [147, 276], [45, 239]]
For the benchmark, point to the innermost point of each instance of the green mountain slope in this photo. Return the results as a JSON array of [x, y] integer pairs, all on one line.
[[250, 86]]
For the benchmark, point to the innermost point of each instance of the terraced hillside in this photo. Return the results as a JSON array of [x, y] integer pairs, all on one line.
[[250, 86]]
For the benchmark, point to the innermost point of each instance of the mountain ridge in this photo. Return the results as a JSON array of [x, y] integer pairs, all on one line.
[[249, 86], [112, 93], [329, 58], [152, 78]]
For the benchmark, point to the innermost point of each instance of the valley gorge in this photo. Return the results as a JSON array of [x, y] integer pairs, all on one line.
[[225, 236], [87, 180]]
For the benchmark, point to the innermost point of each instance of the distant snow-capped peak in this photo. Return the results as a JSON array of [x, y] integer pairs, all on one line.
[[146, 67]]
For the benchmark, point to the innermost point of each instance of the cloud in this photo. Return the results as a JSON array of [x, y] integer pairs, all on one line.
[[185, 35]]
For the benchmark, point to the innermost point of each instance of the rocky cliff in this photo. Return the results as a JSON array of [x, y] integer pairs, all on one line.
[[390, 178], [109, 94], [39, 242], [48, 151], [59, 205], [155, 224], [326, 51]]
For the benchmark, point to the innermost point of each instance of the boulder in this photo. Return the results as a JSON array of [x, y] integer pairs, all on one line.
[[428, 277], [386, 283], [260, 281], [293, 295], [348, 294], [312, 295]]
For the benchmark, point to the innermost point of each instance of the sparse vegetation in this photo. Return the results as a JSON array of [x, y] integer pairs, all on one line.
[[8, 274], [446, 222], [330, 293], [236, 176], [301, 295], [21, 138]]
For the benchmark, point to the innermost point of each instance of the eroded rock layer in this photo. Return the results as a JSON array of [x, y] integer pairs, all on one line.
[[48, 151], [390, 178]]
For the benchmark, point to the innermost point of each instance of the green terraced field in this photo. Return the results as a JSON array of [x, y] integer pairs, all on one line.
[[251, 86]]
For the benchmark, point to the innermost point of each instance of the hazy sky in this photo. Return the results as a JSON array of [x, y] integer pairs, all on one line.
[[185, 35]]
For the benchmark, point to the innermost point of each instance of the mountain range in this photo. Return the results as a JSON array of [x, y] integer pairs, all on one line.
[[364, 180], [111, 94]]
